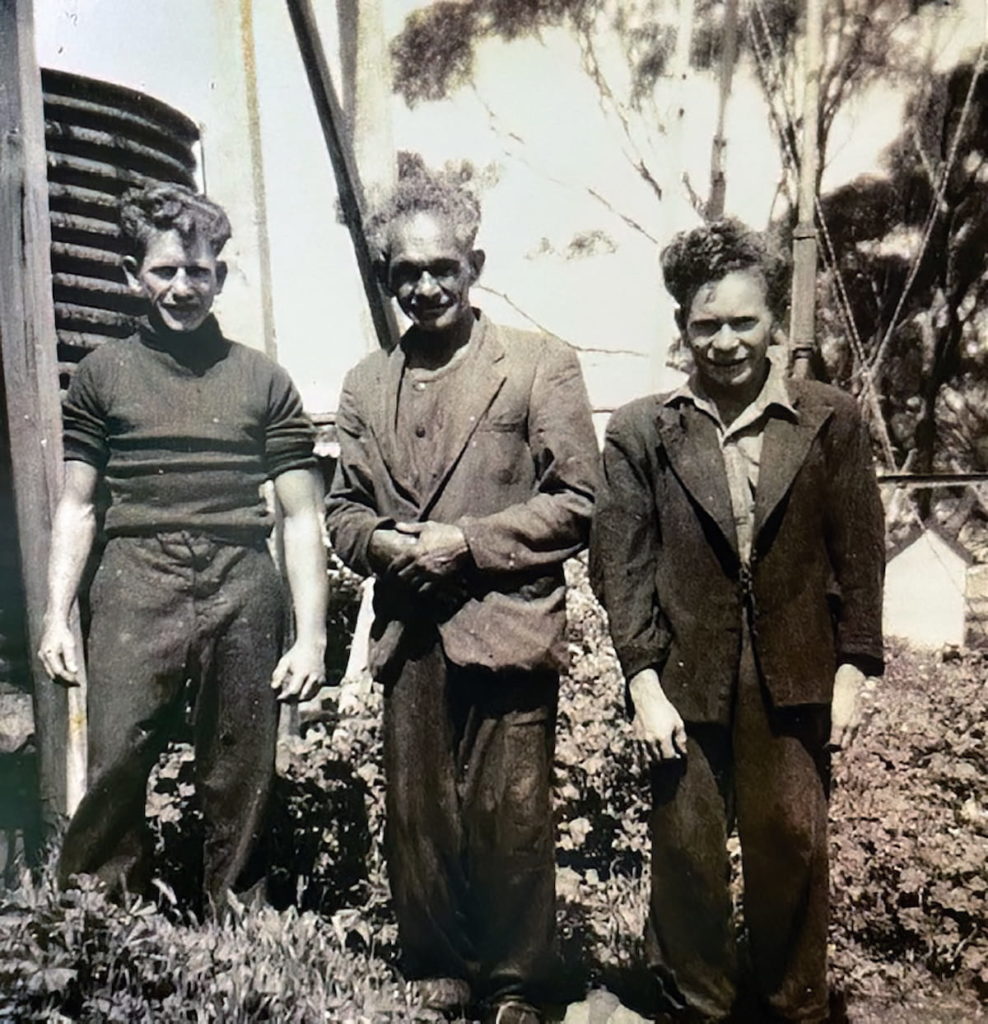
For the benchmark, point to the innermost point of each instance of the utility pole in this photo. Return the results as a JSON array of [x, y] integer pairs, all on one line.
[[802, 321], [366, 93], [30, 391], [681, 77], [728, 59], [344, 166]]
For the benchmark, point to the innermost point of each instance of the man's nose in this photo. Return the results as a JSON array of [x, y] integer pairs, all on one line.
[[725, 338], [181, 284], [427, 285]]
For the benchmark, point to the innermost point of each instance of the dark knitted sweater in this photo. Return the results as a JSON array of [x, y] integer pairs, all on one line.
[[184, 429]]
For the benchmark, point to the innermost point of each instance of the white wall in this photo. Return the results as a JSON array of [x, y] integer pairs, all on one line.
[[925, 593]]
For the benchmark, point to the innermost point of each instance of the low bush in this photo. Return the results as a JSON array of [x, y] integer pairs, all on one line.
[[910, 827], [909, 868], [74, 956]]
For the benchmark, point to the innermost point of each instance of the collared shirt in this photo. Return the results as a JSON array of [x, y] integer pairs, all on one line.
[[741, 441]]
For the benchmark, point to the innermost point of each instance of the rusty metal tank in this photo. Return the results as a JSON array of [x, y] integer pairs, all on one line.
[[101, 140]]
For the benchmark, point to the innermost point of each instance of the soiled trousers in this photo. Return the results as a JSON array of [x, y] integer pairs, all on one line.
[[768, 771], [178, 621], [469, 836]]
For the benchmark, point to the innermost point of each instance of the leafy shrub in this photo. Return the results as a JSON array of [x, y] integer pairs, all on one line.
[[909, 868], [910, 825], [75, 956]]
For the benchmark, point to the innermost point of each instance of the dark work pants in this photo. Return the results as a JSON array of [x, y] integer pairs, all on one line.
[[769, 771], [176, 617], [469, 837]]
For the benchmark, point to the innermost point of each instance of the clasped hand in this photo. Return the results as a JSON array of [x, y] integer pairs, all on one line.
[[421, 555]]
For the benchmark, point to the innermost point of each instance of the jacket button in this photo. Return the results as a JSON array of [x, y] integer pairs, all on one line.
[[420, 431]]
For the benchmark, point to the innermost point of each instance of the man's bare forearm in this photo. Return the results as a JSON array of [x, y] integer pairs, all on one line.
[[305, 565], [73, 533]]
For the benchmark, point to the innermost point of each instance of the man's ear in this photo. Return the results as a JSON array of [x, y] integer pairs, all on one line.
[[221, 270], [131, 269], [681, 320], [477, 259]]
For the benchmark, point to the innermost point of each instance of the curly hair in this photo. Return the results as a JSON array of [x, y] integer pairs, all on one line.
[[424, 191], [144, 211], [711, 251]]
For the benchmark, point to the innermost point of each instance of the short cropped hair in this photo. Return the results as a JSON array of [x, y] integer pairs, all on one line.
[[424, 191], [145, 211], [714, 250]]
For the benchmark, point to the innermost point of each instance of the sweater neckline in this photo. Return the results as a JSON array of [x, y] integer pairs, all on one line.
[[196, 350]]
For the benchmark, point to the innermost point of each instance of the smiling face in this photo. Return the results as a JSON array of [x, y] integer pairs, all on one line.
[[430, 271], [728, 328], [179, 277]]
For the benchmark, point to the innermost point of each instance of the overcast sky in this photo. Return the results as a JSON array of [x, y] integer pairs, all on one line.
[[181, 51]]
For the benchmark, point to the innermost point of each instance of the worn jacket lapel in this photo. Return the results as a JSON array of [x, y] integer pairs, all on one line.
[[690, 440], [784, 449], [385, 420], [485, 377]]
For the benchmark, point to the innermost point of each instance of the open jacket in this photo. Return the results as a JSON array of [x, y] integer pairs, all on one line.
[[665, 563], [520, 468]]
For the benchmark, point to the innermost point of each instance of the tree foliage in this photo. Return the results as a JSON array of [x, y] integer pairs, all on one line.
[[914, 326], [911, 277], [865, 41], [434, 55]]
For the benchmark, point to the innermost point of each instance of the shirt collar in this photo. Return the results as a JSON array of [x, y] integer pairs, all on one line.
[[774, 392]]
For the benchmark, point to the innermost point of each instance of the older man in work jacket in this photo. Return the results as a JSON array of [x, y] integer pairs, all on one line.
[[466, 477]]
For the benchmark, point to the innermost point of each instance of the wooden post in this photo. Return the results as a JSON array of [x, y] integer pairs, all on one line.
[[802, 321], [233, 174], [367, 92], [30, 379], [728, 58], [344, 167]]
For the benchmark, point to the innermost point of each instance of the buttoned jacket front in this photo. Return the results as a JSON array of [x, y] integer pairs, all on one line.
[[665, 562], [519, 465]]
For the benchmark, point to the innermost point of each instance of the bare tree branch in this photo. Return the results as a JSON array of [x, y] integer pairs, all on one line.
[[504, 297], [496, 126], [606, 93]]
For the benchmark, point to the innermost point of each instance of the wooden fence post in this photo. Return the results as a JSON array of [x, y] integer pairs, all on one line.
[[30, 388]]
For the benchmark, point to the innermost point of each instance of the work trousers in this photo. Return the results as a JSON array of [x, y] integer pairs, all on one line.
[[469, 836], [768, 771], [178, 621]]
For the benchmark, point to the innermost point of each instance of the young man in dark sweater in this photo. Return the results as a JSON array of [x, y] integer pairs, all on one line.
[[183, 426]]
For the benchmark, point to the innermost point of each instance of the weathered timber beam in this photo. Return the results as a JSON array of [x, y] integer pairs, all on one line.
[[30, 385]]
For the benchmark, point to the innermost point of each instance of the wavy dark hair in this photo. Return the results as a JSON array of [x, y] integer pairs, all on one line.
[[145, 211], [711, 251]]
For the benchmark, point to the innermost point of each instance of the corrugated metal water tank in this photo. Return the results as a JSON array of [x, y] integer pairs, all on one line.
[[101, 139]]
